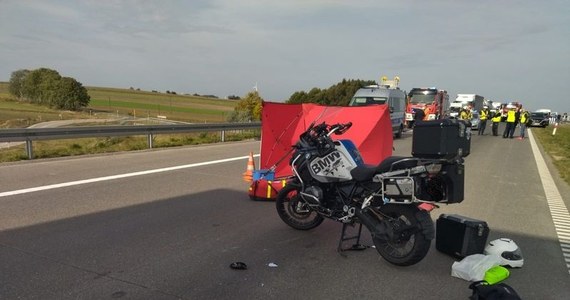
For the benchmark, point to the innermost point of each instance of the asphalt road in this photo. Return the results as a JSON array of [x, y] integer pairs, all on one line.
[[161, 224]]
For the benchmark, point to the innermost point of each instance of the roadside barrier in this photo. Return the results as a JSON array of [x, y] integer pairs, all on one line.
[[28, 135]]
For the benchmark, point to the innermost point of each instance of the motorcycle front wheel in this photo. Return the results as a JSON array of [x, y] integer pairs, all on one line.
[[294, 211], [413, 230]]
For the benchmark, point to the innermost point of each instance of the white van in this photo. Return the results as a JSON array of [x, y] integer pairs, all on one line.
[[384, 95]]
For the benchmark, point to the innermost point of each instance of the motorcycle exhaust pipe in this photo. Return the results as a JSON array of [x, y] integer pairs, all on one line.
[[378, 229]]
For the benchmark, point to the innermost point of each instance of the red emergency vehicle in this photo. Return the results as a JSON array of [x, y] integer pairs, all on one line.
[[434, 102]]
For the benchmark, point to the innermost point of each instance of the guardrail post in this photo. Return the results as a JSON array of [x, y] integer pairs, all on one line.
[[150, 140], [223, 135], [29, 149]]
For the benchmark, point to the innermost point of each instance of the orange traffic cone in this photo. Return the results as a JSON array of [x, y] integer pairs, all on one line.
[[248, 174]]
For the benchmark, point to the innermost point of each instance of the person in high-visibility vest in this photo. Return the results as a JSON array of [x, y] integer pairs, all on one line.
[[510, 128], [524, 120], [483, 116], [463, 115], [496, 120]]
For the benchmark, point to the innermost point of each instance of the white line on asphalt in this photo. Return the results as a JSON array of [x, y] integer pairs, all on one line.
[[562, 221], [113, 177], [558, 209]]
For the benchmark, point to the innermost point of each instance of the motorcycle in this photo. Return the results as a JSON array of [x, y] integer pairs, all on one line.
[[392, 200]]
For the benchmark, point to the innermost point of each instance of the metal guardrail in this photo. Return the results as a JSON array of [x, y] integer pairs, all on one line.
[[33, 134]]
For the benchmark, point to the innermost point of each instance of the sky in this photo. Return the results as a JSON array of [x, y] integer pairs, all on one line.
[[504, 50]]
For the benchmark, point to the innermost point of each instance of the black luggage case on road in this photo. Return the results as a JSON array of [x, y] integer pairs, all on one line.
[[445, 139], [460, 236]]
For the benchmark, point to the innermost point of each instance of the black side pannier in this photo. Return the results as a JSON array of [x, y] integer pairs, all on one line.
[[454, 177], [460, 236], [443, 139], [446, 187]]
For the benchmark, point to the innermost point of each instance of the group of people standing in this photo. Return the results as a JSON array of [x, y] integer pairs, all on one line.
[[515, 116]]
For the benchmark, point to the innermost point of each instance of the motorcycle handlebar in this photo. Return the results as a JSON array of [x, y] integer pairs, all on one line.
[[341, 128], [319, 133]]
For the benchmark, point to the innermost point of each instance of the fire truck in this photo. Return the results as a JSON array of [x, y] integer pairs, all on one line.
[[434, 102]]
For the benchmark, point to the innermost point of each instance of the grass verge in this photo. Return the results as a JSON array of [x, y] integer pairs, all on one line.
[[557, 147], [63, 148]]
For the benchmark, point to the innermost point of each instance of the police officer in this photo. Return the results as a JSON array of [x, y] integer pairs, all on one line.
[[524, 121], [510, 128], [463, 113], [483, 116], [496, 120]]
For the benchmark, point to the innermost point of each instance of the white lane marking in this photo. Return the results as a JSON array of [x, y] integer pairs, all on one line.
[[119, 176], [558, 210]]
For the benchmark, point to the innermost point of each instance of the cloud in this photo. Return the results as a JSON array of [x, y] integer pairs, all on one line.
[[288, 46], [51, 9], [152, 18]]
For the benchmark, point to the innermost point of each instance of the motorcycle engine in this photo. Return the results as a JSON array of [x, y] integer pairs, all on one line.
[[313, 195]]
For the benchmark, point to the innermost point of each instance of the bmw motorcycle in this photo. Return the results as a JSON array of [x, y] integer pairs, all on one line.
[[392, 200]]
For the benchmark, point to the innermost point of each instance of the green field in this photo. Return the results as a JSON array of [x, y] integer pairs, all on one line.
[[15, 114], [107, 102], [151, 104]]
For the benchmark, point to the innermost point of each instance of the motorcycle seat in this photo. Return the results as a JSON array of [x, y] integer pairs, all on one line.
[[366, 172]]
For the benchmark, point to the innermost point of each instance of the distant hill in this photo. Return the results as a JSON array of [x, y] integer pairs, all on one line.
[[152, 104]]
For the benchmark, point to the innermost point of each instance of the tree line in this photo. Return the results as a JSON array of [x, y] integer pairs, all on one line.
[[338, 94], [249, 108], [47, 87]]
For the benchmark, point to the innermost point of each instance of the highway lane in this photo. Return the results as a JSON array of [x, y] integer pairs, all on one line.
[[173, 234]]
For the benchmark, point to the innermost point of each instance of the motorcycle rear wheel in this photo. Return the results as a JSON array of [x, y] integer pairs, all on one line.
[[407, 247], [294, 211]]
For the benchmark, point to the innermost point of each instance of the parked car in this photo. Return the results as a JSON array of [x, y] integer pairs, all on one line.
[[539, 119], [475, 121]]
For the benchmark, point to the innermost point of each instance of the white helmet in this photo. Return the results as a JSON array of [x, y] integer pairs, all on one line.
[[507, 250]]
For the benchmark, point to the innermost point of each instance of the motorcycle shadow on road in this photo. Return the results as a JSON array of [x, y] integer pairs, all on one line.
[[182, 247]]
